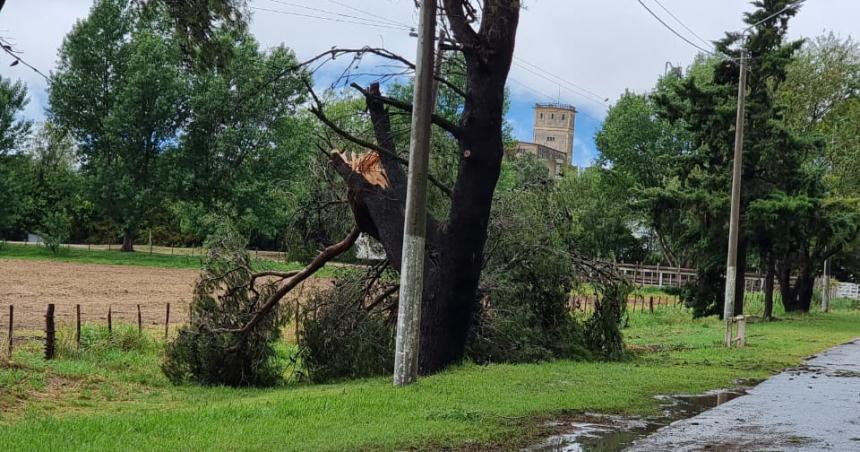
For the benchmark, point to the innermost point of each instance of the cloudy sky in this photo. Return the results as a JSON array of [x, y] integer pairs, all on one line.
[[574, 51]]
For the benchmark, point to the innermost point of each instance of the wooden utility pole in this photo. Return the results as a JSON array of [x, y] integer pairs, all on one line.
[[825, 289], [734, 222], [414, 227]]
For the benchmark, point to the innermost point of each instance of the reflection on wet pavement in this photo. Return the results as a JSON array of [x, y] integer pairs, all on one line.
[[812, 407], [607, 433]]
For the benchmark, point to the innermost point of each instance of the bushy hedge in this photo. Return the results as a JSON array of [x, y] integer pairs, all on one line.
[[340, 338], [525, 286], [208, 350]]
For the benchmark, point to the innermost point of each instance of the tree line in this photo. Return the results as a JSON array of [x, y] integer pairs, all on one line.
[[168, 116], [137, 137], [671, 150]]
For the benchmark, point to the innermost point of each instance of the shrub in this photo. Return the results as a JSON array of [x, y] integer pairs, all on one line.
[[341, 338], [209, 349], [525, 287], [97, 340], [531, 269], [55, 230]]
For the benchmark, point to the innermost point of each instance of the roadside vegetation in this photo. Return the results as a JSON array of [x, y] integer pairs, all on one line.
[[112, 392], [169, 124]]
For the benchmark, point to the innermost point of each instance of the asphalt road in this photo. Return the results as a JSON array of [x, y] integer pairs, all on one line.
[[814, 407]]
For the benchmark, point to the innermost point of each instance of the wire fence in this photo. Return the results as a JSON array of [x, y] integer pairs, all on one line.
[[150, 318]]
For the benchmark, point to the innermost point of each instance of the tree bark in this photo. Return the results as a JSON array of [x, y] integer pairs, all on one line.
[[127, 241], [797, 297], [454, 255], [768, 289]]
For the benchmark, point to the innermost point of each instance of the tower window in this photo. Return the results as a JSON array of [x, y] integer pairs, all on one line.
[[552, 116], [562, 116], [541, 116]]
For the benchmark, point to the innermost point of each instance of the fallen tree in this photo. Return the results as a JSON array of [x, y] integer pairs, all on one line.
[[454, 245], [481, 40]]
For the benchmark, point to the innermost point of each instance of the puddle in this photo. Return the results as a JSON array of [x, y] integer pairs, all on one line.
[[606, 433]]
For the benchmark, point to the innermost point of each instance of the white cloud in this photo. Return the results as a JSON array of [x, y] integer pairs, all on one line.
[[604, 46]]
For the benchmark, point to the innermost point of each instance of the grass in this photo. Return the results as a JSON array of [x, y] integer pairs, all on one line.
[[112, 395], [139, 258]]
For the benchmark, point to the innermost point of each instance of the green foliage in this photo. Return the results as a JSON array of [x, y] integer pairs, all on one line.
[[640, 152], [533, 258], [13, 130], [55, 230], [118, 89], [245, 149], [525, 286], [340, 338], [603, 225], [821, 95], [94, 400], [673, 150], [210, 349], [97, 341]]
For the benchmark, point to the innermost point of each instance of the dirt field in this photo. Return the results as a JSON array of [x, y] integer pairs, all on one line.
[[31, 285]]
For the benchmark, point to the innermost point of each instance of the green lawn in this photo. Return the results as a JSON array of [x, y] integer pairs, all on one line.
[[106, 398], [139, 258]]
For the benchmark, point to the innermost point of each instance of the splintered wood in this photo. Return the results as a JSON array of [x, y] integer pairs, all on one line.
[[369, 165]]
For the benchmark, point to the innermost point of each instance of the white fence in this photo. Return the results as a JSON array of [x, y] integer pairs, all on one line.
[[660, 276], [848, 290]]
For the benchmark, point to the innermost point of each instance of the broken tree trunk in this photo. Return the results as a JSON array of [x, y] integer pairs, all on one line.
[[454, 254]]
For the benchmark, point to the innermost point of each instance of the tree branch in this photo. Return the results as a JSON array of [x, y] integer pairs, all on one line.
[[384, 53], [463, 32], [446, 125], [382, 296], [318, 112], [318, 262]]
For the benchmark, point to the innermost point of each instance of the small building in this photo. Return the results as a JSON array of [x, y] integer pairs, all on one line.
[[553, 137], [553, 158]]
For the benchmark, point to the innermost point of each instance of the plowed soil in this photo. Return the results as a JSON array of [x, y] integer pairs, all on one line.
[[31, 285]]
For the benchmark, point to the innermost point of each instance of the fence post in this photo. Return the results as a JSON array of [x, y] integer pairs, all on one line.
[[78, 325], [651, 303], [11, 322], [110, 320], [139, 321], [167, 321], [50, 332]]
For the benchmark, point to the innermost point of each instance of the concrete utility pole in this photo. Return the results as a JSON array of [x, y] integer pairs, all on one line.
[[734, 222], [825, 289], [414, 226]]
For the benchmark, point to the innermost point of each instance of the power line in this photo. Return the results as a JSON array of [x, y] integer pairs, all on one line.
[[675, 32], [559, 79], [683, 24], [538, 74], [543, 95], [331, 19], [369, 13], [786, 8], [4, 44], [335, 13]]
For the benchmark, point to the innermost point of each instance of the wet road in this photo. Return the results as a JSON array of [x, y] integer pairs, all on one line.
[[814, 407]]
